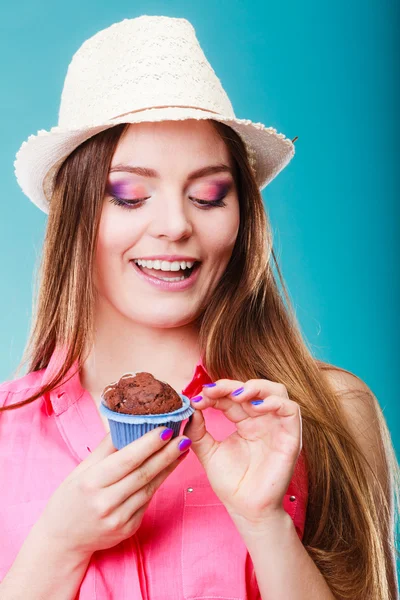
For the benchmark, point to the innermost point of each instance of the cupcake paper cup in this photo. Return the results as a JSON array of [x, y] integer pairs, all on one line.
[[125, 429]]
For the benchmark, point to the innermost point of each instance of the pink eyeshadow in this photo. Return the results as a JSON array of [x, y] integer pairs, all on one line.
[[126, 190], [211, 191]]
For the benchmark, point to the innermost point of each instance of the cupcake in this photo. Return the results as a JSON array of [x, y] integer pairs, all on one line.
[[138, 403]]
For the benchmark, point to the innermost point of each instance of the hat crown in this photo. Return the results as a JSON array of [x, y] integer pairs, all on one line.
[[145, 62]]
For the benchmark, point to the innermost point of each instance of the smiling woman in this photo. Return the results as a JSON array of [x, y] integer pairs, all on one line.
[[159, 257], [183, 208]]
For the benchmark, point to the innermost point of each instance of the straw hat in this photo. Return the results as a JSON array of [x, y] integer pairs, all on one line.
[[150, 68]]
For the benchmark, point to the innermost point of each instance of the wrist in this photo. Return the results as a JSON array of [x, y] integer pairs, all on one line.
[[61, 578], [40, 537], [258, 527]]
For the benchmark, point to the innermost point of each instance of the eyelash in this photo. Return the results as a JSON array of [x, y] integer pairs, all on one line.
[[219, 202]]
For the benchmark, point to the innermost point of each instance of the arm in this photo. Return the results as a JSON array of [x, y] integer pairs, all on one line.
[[289, 570], [100, 503], [282, 565], [368, 426], [251, 469], [43, 570]]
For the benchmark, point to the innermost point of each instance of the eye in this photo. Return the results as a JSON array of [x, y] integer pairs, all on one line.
[[210, 203], [213, 193], [129, 204]]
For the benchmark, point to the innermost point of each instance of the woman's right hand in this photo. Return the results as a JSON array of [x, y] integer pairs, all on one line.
[[103, 500]]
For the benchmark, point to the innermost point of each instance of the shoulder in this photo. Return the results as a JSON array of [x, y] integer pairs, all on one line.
[[14, 390], [359, 403], [368, 426], [343, 380], [365, 420]]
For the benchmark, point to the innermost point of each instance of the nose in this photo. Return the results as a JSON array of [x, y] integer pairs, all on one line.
[[171, 220]]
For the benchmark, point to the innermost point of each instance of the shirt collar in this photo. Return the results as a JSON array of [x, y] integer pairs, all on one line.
[[70, 390]]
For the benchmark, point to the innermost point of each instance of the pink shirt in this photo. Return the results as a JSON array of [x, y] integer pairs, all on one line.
[[187, 546]]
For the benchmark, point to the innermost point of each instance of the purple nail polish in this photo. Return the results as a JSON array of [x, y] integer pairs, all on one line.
[[184, 444], [206, 385], [237, 392], [166, 434], [197, 398], [183, 455], [255, 402]]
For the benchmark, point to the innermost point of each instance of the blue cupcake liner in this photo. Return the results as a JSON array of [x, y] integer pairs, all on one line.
[[125, 429]]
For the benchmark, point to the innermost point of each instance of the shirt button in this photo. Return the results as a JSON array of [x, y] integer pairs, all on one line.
[[190, 489], [292, 498]]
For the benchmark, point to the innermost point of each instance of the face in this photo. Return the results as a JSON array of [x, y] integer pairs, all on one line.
[[168, 228]]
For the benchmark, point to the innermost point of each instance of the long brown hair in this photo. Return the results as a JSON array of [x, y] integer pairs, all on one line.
[[348, 533]]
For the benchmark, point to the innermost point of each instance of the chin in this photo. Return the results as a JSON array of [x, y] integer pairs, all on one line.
[[163, 320]]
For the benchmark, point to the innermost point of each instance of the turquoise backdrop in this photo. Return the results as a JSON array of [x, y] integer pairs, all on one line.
[[325, 72]]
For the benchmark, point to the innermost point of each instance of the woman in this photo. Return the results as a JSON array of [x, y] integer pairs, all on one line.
[[158, 257]]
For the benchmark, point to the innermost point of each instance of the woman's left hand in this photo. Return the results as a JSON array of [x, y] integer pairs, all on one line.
[[251, 469]]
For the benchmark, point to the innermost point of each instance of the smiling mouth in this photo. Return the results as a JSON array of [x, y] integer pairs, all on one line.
[[176, 275]]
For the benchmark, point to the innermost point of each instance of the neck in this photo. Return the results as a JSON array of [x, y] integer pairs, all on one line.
[[121, 346]]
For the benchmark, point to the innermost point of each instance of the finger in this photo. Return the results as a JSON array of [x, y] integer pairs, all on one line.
[[232, 410], [203, 443], [133, 523], [283, 408], [239, 391], [147, 472], [100, 452], [138, 514], [121, 463], [143, 496], [221, 387], [237, 405]]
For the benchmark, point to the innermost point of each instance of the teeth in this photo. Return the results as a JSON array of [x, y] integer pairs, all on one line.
[[164, 265], [172, 278], [175, 266]]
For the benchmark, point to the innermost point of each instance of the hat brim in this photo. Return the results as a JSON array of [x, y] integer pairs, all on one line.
[[40, 156]]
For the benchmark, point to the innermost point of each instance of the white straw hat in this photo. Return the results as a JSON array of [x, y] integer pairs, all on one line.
[[150, 68]]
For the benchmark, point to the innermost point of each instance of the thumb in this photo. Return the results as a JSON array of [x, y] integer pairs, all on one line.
[[203, 443]]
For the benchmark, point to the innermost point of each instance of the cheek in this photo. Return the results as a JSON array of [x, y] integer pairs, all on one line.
[[117, 234], [118, 229], [219, 236], [221, 246]]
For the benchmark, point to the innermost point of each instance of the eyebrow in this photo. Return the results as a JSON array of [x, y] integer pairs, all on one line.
[[145, 172]]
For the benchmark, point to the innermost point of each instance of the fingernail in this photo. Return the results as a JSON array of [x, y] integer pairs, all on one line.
[[209, 385], [184, 444], [255, 402], [166, 434], [197, 398], [183, 455], [237, 392]]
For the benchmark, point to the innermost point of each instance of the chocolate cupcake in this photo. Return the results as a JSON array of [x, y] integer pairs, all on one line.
[[137, 403], [141, 394]]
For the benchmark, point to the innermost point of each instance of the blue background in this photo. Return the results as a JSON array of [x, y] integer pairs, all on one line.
[[327, 73]]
